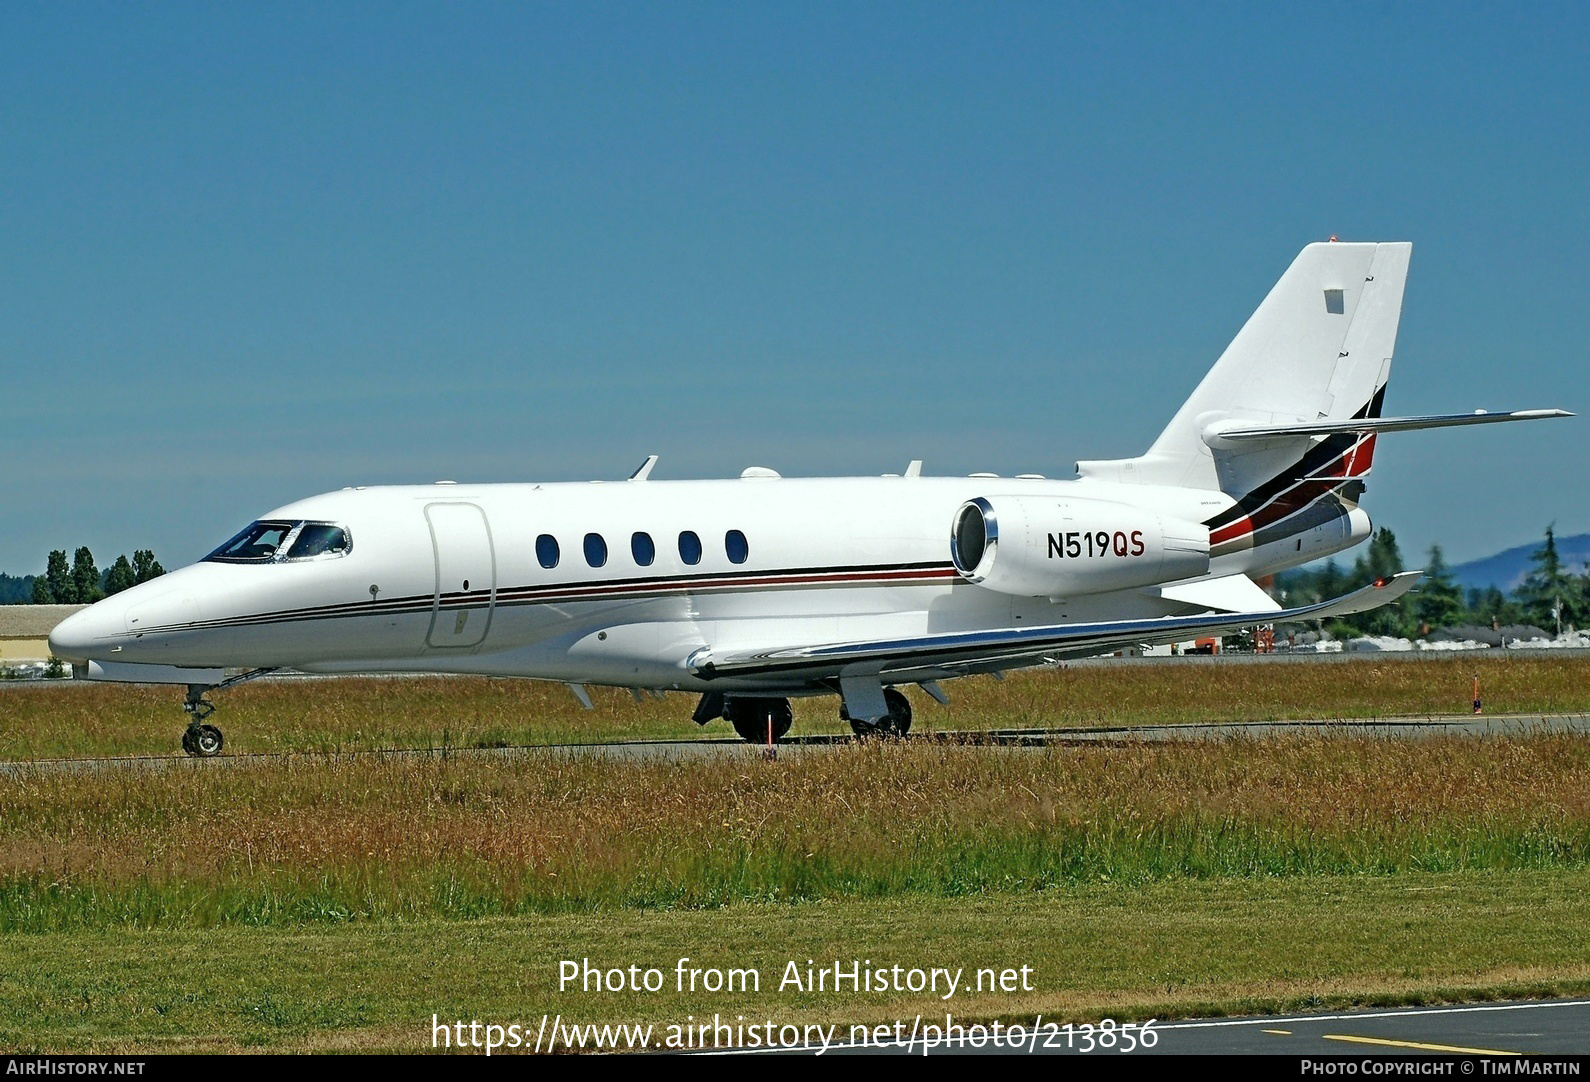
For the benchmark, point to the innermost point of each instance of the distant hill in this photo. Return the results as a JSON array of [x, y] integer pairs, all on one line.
[[1506, 570]]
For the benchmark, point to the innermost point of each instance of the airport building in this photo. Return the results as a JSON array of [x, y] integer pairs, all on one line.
[[25, 630]]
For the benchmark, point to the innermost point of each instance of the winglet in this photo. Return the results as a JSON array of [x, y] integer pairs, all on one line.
[[1378, 593], [645, 469]]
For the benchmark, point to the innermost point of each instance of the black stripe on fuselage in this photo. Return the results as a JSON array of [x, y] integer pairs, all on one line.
[[635, 588], [1316, 458]]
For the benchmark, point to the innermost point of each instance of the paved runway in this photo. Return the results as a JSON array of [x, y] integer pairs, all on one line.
[[678, 750], [1545, 1026], [1489, 1030]]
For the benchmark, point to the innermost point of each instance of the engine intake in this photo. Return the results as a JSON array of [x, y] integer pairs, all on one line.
[[1033, 546]]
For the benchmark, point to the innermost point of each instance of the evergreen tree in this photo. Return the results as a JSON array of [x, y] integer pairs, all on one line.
[[58, 579], [41, 591], [85, 578], [1548, 596], [121, 576], [1492, 609], [1382, 560], [1330, 582], [145, 566], [1439, 602], [16, 590]]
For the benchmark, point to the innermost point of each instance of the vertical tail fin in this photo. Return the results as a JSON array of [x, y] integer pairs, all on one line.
[[1319, 347]]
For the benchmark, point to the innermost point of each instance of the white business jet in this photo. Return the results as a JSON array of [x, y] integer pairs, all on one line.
[[747, 592]]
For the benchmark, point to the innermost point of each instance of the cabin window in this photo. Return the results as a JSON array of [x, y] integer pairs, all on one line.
[[736, 545], [547, 551], [256, 545], [318, 539], [595, 550], [690, 548], [642, 548]]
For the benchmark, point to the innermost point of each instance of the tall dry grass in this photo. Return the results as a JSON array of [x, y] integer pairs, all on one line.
[[431, 712], [350, 838]]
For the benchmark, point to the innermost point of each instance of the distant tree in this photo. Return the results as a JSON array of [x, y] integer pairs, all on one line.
[[145, 566], [1439, 602], [121, 576], [15, 590], [1549, 596], [1330, 582], [1491, 608], [58, 579], [85, 578], [42, 594], [1380, 561], [1384, 558]]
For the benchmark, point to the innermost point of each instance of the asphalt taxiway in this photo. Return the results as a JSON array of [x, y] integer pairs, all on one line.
[[1470, 725], [1495, 1031]]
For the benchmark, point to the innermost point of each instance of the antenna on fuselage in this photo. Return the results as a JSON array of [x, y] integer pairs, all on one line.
[[645, 469]]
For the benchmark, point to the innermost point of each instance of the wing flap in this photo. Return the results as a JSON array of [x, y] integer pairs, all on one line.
[[952, 650], [1229, 593]]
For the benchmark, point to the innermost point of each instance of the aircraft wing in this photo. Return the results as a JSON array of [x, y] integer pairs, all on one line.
[[987, 649]]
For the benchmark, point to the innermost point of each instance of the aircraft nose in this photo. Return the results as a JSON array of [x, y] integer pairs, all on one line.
[[90, 633]]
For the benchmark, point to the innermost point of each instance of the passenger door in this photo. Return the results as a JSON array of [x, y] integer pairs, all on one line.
[[466, 575]]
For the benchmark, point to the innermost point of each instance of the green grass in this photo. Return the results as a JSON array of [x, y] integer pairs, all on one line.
[[1176, 947], [322, 900], [281, 841], [43, 721]]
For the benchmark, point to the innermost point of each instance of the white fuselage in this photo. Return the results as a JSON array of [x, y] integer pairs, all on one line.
[[448, 578]]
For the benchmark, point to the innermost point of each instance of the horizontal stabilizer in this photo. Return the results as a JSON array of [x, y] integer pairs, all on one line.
[[1227, 432], [1229, 593], [1012, 647]]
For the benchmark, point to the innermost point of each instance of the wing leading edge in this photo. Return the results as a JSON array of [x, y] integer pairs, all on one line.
[[1236, 432], [968, 649]]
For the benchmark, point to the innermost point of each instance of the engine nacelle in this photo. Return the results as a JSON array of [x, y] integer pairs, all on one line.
[[1034, 546]]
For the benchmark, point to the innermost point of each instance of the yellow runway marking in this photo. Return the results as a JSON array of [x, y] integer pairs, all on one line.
[[1417, 1044], [1280, 1032]]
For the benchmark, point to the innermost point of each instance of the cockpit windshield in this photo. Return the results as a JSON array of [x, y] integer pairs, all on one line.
[[256, 544], [266, 542], [318, 539]]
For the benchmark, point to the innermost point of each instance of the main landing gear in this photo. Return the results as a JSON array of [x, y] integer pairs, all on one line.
[[759, 721], [897, 722], [201, 739]]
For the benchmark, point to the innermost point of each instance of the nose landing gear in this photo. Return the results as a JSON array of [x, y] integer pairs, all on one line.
[[201, 739]]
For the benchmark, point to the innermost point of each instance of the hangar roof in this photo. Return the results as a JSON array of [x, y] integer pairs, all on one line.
[[32, 621]]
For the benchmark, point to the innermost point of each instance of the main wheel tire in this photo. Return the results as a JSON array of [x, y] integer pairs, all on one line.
[[206, 741], [751, 717], [897, 722]]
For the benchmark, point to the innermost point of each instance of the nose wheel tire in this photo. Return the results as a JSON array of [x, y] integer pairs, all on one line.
[[751, 718], [202, 741], [897, 722]]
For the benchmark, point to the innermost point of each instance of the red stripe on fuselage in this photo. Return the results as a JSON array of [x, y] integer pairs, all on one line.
[[1354, 462]]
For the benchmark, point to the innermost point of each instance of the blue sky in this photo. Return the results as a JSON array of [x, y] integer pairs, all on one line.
[[248, 253]]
